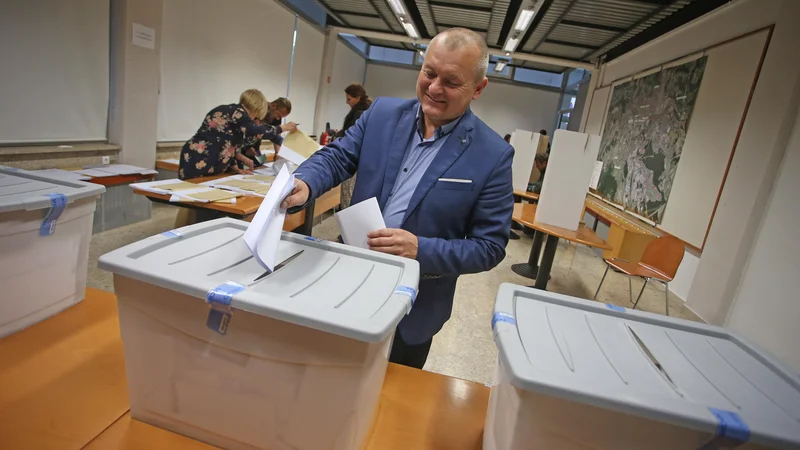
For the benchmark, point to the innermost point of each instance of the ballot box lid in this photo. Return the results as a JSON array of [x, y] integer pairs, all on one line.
[[673, 370], [326, 286], [28, 190]]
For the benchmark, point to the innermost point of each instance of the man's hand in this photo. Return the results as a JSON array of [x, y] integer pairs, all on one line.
[[277, 150], [289, 126], [236, 169], [394, 241], [298, 196]]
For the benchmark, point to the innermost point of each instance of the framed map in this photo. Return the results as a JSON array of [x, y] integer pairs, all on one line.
[[643, 137]]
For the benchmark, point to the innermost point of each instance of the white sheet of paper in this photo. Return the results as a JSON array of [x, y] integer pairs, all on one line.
[[171, 161], [263, 235], [598, 169], [143, 36], [63, 174], [95, 173], [359, 220], [291, 155]]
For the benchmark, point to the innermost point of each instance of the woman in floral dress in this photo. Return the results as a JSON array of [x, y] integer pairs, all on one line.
[[219, 140]]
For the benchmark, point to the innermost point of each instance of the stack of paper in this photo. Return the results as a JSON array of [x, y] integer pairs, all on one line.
[[263, 235], [357, 221], [110, 170], [300, 143]]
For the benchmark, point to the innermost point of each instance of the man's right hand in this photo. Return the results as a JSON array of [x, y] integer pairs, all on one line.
[[298, 196], [290, 127]]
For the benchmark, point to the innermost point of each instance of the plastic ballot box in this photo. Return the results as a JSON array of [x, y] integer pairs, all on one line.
[[575, 374], [218, 349], [45, 229]]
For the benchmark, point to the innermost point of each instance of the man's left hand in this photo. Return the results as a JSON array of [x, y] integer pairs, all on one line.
[[394, 241]]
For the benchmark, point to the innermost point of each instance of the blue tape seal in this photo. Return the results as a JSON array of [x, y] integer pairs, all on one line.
[[731, 431], [58, 203], [312, 239], [172, 234], [219, 300], [503, 317], [615, 307], [408, 292]]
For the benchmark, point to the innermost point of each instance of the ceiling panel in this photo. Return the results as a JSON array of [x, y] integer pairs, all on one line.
[[365, 23], [562, 51]]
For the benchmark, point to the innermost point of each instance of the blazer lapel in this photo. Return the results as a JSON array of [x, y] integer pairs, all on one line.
[[397, 149], [457, 141]]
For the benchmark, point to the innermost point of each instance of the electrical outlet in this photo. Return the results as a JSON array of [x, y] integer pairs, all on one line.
[[106, 160]]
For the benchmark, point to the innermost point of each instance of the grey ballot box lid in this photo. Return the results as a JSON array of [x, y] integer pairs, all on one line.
[[690, 374], [27, 190], [348, 291]]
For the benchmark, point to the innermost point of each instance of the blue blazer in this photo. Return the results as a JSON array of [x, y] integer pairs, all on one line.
[[462, 228]]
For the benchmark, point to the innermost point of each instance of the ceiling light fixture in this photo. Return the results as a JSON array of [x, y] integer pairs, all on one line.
[[410, 30], [499, 66], [511, 44], [524, 20], [397, 7]]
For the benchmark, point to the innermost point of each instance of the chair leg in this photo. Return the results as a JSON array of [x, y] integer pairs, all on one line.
[[641, 292], [630, 290], [666, 297], [601, 282]]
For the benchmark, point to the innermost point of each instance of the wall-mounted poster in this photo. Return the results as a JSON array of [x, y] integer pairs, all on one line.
[[643, 137]]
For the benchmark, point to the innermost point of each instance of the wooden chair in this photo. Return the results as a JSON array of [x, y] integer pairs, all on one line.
[[659, 262]]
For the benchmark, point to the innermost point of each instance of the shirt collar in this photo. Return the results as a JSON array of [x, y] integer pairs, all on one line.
[[444, 130]]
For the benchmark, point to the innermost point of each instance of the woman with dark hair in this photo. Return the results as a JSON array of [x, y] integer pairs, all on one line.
[[356, 97]]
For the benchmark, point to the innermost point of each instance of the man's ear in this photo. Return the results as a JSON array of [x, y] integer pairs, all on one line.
[[479, 88]]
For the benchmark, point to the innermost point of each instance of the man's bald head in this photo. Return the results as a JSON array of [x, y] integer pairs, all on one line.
[[463, 39]]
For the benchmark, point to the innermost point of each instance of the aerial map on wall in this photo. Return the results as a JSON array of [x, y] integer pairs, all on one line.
[[643, 138]]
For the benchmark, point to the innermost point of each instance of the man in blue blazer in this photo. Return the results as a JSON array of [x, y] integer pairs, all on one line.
[[441, 176]]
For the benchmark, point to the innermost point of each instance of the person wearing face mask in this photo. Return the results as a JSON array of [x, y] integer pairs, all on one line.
[[220, 138], [357, 99], [441, 176]]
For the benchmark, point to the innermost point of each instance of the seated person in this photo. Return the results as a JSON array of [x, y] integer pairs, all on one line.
[[276, 112], [541, 163], [221, 136]]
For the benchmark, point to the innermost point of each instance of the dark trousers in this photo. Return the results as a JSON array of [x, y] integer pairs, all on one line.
[[409, 355]]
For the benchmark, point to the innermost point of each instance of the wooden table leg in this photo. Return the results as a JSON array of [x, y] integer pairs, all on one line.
[[530, 268], [548, 256]]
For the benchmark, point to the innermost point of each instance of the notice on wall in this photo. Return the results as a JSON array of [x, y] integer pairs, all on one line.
[[598, 169], [144, 36]]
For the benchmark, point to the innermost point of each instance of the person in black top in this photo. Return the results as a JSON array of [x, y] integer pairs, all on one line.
[[356, 97], [541, 163], [507, 138]]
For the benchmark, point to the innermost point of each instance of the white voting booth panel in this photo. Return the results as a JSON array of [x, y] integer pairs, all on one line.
[[42, 268], [579, 375], [304, 354], [569, 172]]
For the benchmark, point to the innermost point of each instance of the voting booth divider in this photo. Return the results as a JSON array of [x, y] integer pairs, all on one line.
[[220, 350], [526, 146], [45, 229]]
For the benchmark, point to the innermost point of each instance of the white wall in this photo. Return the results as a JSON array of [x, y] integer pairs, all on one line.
[[211, 51], [306, 71], [766, 307], [504, 107], [348, 68], [754, 167]]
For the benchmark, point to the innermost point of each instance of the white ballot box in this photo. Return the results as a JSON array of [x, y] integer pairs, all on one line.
[[220, 350], [45, 229], [575, 374]]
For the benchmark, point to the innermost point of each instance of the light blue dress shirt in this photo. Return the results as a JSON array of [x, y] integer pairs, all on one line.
[[418, 157]]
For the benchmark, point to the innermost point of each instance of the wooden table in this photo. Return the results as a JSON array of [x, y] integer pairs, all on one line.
[[627, 236], [173, 167], [62, 386], [531, 196], [246, 206], [122, 179], [525, 214]]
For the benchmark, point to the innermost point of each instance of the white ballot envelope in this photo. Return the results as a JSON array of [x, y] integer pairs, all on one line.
[[263, 235], [359, 220]]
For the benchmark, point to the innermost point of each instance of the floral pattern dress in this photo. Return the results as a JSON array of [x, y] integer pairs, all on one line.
[[213, 148]]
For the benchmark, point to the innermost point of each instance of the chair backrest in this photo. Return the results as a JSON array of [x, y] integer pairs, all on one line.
[[665, 255]]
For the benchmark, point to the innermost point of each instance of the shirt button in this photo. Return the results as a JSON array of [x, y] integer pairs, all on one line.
[[405, 169]]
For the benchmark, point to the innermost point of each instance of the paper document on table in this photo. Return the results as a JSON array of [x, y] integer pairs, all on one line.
[[359, 220], [95, 173], [292, 156], [300, 143], [264, 233], [598, 169]]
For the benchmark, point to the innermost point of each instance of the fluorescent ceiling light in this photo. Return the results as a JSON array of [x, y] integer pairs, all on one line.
[[397, 7], [410, 30], [524, 20], [511, 44], [499, 66]]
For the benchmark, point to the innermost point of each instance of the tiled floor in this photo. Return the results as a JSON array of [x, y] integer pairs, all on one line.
[[464, 348]]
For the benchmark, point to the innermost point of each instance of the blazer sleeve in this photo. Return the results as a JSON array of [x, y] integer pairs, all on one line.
[[487, 232], [337, 162]]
